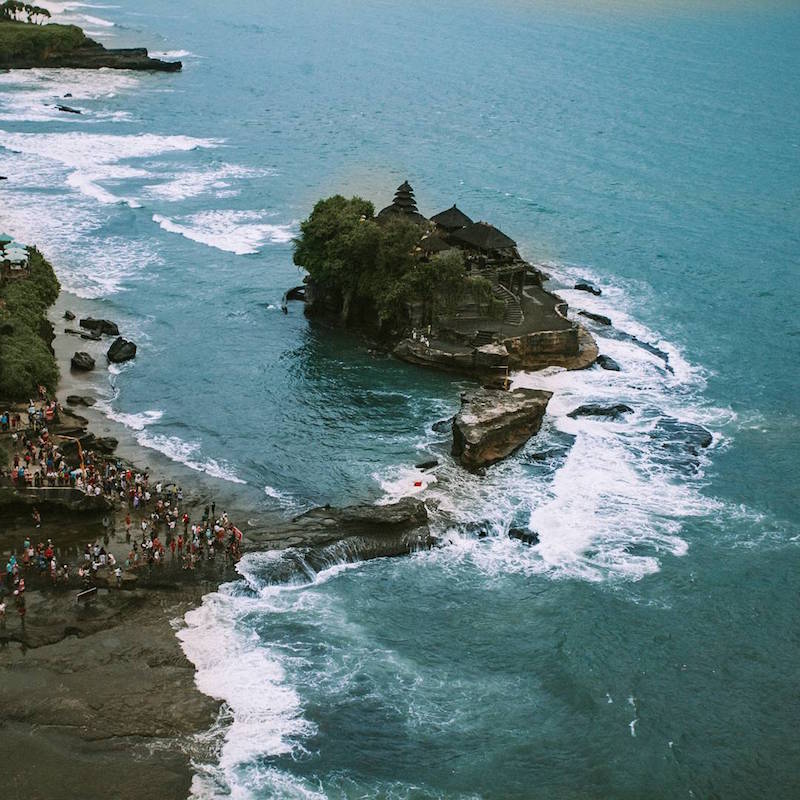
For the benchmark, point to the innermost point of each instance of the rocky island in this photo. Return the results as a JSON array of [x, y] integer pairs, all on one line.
[[25, 45], [443, 291]]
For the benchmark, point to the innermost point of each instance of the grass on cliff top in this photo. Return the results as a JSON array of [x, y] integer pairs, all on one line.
[[25, 332], [25, 40]]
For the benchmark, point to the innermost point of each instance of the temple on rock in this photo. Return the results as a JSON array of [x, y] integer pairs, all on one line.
[[519, 324]]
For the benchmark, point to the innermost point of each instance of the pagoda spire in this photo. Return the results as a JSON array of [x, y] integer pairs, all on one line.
[[404, 198]]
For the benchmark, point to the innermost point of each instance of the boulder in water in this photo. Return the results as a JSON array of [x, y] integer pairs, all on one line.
[[326, 536], [524, 535], [82, 361], [606, 362], [69, 315], [443, 425], [105, 445], [68, 109], [588, 286], [121, 350], [592, 410], [427, 464], [601, 319], [493, 423], [80, 400], [681, 438], [100, 326]]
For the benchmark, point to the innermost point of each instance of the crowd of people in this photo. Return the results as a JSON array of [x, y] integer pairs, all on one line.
[[158, 531]]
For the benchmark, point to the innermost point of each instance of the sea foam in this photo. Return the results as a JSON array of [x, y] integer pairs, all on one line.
[[239, 232]]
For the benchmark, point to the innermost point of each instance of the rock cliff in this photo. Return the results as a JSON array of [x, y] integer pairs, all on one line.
[[493, 423]]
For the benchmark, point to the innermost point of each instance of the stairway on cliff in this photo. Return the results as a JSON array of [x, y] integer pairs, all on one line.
[[513, 310]]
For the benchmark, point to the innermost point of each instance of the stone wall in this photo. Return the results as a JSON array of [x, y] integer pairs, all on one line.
[[534, 349]]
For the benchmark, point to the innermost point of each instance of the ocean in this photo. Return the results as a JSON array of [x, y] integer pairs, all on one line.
[[648, 647]]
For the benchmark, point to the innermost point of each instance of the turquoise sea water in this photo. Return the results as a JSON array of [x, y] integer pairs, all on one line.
[[649, 646]]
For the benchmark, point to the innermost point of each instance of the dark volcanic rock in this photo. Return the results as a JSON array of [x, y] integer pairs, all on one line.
[[443, 425], [121, 350], [91, 336], [69, 315], [68, 109], [602, 319], [105, 445], [78, 400], [606, 362], [588, 286], [524, 535], [591, 410], [493, 423], [326, 536], [681, 439], [82, 361], [427, 464], [100, 326]]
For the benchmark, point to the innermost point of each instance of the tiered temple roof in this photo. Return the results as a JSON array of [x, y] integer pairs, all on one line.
[[404, 203]]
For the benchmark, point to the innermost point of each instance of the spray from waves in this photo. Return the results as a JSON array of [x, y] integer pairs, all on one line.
[[32, 95], [193, 183], [187, 453], [90, 263], [608, 499], [266, 715], [239, 232], [94, 157]]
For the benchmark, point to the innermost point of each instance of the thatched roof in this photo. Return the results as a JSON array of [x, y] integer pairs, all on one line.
[[433, 244], [452, 219], [483, 236]]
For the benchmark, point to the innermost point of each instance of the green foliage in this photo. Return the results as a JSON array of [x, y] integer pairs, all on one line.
[[20, 41], [372, 265], [25, 357]]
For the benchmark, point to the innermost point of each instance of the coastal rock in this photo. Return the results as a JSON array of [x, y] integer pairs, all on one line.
[[681, 442], [68, 109], [326, 536], [102, 326], [601, 319], [493, 423], [91, 337], [443, 425], [121, 350], [423, 465], [524, 535], [588, 286], [606, 362], [82, 361], [592, 410], [78, 400], [105, 445], [69, 315]]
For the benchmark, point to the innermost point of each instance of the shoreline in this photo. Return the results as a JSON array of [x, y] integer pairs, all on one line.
[[126, 690]]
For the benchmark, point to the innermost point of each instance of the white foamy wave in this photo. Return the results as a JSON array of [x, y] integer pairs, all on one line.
[[136, 422], [170, 53], [604, 496], [195, 182], [234, 666], [187, 453], [83, 150], [32, 95], [90, 263], [239, 232], [399, 482]]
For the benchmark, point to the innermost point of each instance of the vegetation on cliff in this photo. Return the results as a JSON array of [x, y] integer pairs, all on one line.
[[371, 270], [22, 40], [26, 360]]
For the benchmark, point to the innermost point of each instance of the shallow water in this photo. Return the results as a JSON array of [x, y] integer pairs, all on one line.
[[646, 647]]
